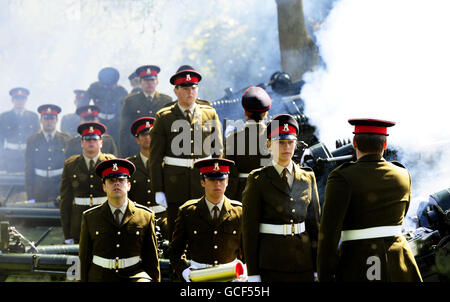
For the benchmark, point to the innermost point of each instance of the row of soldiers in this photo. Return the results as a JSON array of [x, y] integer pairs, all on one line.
[[275, 230]]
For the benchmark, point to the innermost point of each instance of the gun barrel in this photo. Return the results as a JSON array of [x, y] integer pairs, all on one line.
[[333, 159]]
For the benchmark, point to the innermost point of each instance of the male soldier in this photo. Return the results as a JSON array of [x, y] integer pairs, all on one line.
[[140, 181], [80, 187], [71, 121], [44, 157], [16, 124], [247, 147], [197, 126], [87, 114], [144, 103], [108, 95], [134, 82], [208, 229], [118, 241], [365, 203], [281, 211]]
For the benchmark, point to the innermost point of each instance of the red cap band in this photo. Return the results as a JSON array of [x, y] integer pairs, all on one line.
[[186, 80], [89, 113], [115, 169], [286, 129], [147, 72], [215, 169], [143, 126], [370, 129], [46, 112]]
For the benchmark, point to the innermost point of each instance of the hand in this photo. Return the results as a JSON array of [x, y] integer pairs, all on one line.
[[186, 274], [160, 199], [69, 241], [254, 278]]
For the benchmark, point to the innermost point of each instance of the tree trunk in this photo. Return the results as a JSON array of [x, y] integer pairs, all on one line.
[[298, 52]]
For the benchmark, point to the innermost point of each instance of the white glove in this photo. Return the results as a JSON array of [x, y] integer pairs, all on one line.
[[160, 199], [255, 278], [186, 273], [69, 241], [31, 201]]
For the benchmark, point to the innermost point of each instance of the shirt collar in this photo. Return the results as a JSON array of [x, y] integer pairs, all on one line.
[[149, 95], [144, 159], [211, 205], [87, 160], [122, 209], [190, 109], [280, 169]]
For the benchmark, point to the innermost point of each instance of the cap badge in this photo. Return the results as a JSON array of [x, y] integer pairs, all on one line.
[[49, 110], [89, 111], [148, 71], [188, 77], [20, 92], [115, 168], [286, 128], [216, 166], [147, 124], [91, 129]]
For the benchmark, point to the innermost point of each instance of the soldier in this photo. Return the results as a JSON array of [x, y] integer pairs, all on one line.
[[197, 126], [134, 82], [44, 157], [87, 114], [118, 241], [108, 95], [16, 124], [144, 103], [140, 181], [365, 203], [208, 229], [281, 212], [247, 146], [80, 187], [71, 121]]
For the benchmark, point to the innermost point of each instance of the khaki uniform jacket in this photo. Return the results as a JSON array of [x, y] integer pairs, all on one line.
[[74, 146], [135, 236], [78, 181], [267, 199], [181, 183], [367, 193], [140, 191], [135, 106], [46, 157], [206, 241], [248, 149]]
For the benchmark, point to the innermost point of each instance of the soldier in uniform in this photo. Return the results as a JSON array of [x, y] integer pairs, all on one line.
[[80, 186], [208, 229], [87, 114], [44, 157], [247, 146], [16, 124], [182, 134], [144, 103], [134, 82], [281, 212], [365, 203], [140, 191], [118, 241], [109, 96], [71, 121]]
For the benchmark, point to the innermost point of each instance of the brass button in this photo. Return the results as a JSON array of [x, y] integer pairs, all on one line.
[[134, 181], [291, 221], [215, 232], [118, 233], [74, 176], [91, 186], [293, 210], [118, 245], [49, 158], [92, 176], [195, 232], [117, 270], [148, 202], [96, 232], [292, 199], [36, 149], [148, 191], [215, 247], [137, 232], [216, 262], [117, 258], [234, 232], [90, 195], [148, 180]]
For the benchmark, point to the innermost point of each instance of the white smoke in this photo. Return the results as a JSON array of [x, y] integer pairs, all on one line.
[[388, 60]]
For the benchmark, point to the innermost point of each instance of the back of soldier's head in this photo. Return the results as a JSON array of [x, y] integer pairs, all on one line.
[[370, 143]]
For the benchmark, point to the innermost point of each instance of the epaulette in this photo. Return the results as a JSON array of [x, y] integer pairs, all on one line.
[[306, 168], [345, 165], [235, 202], [203, 102], [189, 203], [131, 157], [397, 164], [143, 207], [109, 155], [91, 209], [72, 158]]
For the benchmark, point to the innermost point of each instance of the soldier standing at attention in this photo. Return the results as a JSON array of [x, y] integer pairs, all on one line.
[[144, 103], [134, 82], [140, 191], [118, 241], [207, 230], [80, 186], [281, 211], [247, 147], [365, 203], [183, 133], [71, 121], [44, 157], [88, 114], [16, 124]]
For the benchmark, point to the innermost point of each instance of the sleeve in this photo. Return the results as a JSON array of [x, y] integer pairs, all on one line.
[[29, 169], [313, 219], [150, 259], [217, 144], [67, 196], [178, 245], [157, 150], [251, 212], [85, 250], [337, 199]]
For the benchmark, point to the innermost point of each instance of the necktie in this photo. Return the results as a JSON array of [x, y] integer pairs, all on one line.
[[216, 213], [91, 165], [117, 216], [284, 176], [188, 115]]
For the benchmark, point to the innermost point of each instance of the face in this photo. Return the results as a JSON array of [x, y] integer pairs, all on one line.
[[186, 95], [149, 85], [91, 146], [49, 123], [143, 140], [214, 188], [116, 188], [19, 103], [282, 150]]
